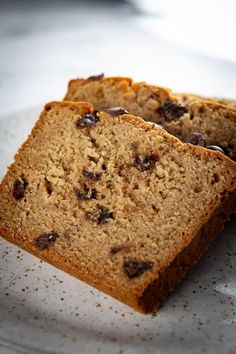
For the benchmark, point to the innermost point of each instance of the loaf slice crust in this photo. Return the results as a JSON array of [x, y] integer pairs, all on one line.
[[187, 98], [215, 121], [115, 201]]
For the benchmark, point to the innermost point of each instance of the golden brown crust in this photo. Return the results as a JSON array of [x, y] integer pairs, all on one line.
[[227, 112], [194, 101], [75, 83], [188, 98]]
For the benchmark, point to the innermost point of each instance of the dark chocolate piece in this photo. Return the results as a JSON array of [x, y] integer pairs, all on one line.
[[96, 77], [196, 139], [88, 120], [19, 189], [134, 269], [85, 193], [116, 111], [101, 216], [146, 163], [104, 215], [95, 176], [171, 110], [46, 240], [117, 249], [48, 186]]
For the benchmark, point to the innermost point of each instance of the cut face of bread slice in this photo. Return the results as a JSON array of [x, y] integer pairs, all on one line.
[[118, 203], [216, 122]]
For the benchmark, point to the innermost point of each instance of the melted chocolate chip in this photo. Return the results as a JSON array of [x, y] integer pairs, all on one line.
[[171, 111], [86, 193], [104, 215], [216, 148], [96, 77], [196, 139], [134, 269], [46, 240], [100, 217], [146, 163], [95, 176], [115, 250], [48, 186], [116, 111], [19, 189], [88, 120]]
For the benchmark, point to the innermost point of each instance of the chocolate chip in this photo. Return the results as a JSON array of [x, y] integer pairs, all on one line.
[[146, 163], [94, 159], [115, 250], [116, 111], [136, 268], [171, 111], [216, 148], [86, 193], [196, 139], [19, 189], [101, 216], [48, 186], [104, 215], [95, 176], [88, 120], [96, 77], [46, 240]]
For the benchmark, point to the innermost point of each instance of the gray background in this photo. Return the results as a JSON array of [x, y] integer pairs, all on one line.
[[188, 45]]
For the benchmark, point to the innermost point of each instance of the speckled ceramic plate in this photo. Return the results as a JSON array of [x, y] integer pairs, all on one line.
[[43, 310]]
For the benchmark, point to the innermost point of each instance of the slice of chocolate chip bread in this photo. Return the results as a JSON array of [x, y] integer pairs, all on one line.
[[115, 201], [216, 122]]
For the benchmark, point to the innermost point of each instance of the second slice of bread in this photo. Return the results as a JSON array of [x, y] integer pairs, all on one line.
[[216, 122]]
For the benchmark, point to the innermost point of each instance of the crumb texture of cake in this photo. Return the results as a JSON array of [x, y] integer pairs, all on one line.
[[180, 114], [215, 122], [114, 201]]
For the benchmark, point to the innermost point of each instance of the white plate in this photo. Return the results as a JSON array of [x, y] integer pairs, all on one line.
[[43, 310]]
